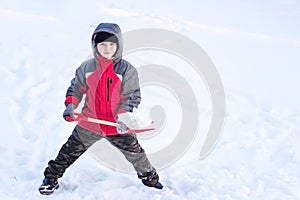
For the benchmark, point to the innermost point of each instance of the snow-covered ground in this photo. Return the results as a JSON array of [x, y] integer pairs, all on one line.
[[257, 156]]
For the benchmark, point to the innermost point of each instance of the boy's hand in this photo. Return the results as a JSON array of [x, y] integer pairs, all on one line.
[[121, 127], [69, 112]]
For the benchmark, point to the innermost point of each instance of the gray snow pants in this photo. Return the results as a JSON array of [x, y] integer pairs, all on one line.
[[81, 139]]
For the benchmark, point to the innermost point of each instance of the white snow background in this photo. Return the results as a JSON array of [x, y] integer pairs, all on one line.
[[255, 47]]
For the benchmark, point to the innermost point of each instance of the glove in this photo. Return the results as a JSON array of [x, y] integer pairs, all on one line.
[[121, 127], [69, 112]]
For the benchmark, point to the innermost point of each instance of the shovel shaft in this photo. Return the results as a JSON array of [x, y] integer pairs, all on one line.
[[109, 123]]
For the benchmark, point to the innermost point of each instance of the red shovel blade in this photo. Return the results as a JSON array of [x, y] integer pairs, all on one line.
[[138, 130]]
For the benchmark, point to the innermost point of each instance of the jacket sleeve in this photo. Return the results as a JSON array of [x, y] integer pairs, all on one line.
[[130, 90], [77, 88]]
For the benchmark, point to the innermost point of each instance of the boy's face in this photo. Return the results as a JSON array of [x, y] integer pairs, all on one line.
[[107, 49]]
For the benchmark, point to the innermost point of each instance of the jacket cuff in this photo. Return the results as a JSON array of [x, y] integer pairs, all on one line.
[[72, 99]]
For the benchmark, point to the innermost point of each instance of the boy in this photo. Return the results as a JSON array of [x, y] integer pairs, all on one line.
[[111, 87]]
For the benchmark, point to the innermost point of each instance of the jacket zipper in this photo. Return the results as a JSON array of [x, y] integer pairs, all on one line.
[[109, 81]]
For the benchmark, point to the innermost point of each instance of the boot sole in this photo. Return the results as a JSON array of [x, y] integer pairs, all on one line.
[[48, 192]]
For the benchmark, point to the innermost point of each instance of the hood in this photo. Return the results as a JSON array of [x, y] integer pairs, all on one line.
[[113, 29]]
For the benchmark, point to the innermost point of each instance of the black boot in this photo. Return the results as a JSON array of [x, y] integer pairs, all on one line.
[[48, 186], [151, 179], [156, 185]]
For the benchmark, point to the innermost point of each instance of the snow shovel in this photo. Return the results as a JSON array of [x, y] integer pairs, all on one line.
[[80, 117]]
